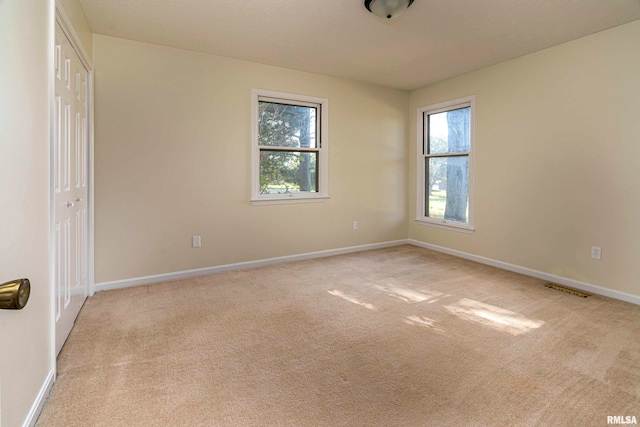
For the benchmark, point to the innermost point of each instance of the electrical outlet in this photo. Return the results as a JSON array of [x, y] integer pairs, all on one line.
[[355, 225], [196, 241], [596, 252]]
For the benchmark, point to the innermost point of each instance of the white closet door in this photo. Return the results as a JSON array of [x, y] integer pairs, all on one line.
[[70, 186]]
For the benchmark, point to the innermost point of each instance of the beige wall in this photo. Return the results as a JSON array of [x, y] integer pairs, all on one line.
[[557, 159], [78, 19], [25, 341], [172, 147]]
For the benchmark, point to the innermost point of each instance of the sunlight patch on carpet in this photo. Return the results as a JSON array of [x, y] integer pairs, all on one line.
[[494, 317], [351, 299], [408, 295], [422, 321]]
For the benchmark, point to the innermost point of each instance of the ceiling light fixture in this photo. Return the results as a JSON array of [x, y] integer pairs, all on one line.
[[387, 8]]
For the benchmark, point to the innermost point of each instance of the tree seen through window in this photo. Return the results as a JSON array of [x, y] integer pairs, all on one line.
[[287, 136]]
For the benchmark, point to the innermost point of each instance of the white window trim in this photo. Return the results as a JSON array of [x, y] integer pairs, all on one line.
[[420, 199], [323, 152]]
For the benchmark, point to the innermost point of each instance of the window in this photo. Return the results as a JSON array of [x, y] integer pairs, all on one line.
[[289, 148], [445, 164]]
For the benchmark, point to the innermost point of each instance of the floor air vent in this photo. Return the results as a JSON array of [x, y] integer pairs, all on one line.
[[567, 290]]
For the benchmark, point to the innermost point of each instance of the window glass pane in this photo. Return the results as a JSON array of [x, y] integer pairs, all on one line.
[[447, 192], [286, 172], [284, 125], [449, 131]]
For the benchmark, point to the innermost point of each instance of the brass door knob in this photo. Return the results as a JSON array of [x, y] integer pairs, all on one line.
[[15, 294]]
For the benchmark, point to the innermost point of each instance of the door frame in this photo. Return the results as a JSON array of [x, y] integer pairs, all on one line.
[[62, 19]]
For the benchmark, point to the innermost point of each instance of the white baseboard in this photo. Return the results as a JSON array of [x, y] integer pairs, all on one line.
[[137, 281], [38, 404], [587, 287]]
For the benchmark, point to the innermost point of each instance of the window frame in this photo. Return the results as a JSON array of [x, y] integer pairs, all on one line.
[[422, 158], [322, 150]]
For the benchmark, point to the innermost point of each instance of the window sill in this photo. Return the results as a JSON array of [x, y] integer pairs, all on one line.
[[289, 200], [447, 225]]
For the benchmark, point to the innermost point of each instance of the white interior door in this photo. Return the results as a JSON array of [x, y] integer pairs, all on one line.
[[70, 183]]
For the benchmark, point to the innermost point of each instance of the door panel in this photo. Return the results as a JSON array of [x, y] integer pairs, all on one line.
[[70, 186]]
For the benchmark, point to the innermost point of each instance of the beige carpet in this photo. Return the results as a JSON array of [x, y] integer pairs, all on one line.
[[394, 337]]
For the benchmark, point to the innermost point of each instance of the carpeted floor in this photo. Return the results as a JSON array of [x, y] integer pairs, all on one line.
[[395, 337]]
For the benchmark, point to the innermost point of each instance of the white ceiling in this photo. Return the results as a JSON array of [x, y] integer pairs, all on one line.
[[432, 41]]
